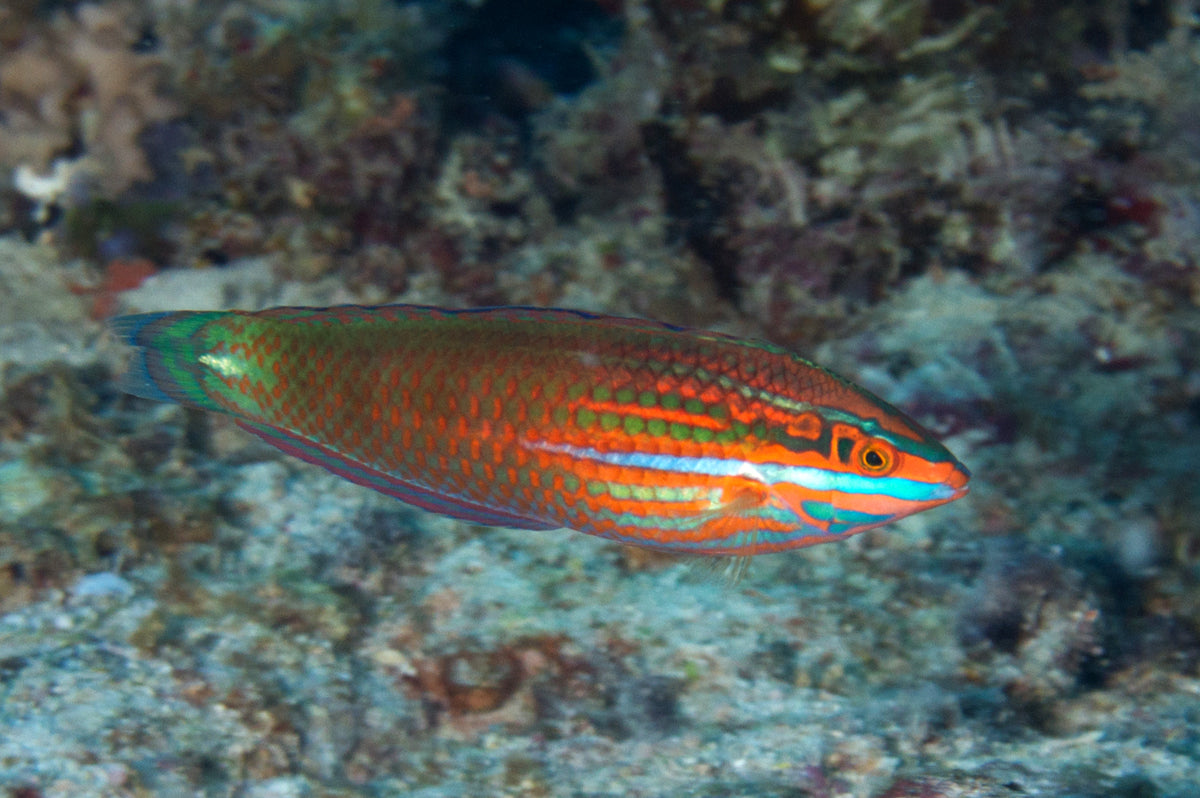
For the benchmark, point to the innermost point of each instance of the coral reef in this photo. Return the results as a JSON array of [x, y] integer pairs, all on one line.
[[984, 212], [80, 90], [1030, 609]]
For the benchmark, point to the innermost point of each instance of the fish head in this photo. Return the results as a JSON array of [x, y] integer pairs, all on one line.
[[869, 465], [882, 478]]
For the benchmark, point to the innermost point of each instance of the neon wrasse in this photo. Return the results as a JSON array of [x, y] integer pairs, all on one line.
[[641, 432]]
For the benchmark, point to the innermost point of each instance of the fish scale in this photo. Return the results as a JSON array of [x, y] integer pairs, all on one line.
[[637, 431]]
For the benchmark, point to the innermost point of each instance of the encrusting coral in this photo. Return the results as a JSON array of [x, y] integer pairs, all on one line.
[[80, 85]]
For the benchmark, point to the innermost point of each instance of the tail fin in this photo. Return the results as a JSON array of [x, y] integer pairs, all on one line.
[[166, 365]]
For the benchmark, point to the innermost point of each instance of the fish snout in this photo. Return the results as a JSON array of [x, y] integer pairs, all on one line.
[[957, 481]]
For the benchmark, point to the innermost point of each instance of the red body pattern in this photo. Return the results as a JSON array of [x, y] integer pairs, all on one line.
[[641, 432]]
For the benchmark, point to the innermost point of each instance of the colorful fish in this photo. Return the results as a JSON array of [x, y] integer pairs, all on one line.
[[640, 432]]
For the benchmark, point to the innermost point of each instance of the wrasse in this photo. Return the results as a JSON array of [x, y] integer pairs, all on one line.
[[636, 431]]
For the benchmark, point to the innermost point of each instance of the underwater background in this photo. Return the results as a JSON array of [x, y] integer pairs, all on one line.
[[988, 213]]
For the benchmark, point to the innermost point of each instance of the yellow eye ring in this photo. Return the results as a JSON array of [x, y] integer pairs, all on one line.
[[876, 457]]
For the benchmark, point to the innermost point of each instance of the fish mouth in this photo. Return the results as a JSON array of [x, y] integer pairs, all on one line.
[[957, 482]]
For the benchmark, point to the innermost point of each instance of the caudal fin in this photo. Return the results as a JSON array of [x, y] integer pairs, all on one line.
[[165, 366]]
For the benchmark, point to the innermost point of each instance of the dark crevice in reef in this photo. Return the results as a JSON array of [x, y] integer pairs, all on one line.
[[695, 207], [512, 55]]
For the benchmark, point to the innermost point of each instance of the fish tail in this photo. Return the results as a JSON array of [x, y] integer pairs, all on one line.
[[165, 365]]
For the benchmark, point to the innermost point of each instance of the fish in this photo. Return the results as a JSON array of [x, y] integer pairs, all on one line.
[[641, 432]]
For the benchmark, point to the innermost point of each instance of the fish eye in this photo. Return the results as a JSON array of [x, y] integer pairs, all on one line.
[[876, 457]]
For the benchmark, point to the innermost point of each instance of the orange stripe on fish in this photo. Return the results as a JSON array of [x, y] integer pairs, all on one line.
[[636, 431]]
